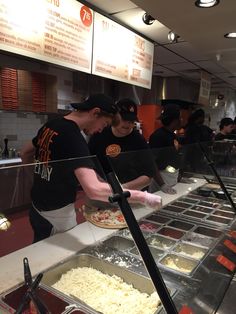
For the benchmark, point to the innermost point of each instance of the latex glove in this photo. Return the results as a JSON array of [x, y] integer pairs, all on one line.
[[168, 189], [152, 200]]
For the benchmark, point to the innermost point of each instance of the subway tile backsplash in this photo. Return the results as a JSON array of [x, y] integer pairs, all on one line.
[[19, 127]]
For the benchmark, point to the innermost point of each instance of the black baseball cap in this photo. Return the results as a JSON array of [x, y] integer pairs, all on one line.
[[170, 112], [104, 102], [127, 108]]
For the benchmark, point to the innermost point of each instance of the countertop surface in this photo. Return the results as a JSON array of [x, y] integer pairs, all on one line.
[[51, 251]]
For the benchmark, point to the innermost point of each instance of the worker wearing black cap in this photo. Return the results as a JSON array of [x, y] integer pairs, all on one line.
[[226, 128], [58, 150], [124, 149], [162, 143]]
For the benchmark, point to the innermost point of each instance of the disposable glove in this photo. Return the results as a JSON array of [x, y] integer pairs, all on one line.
[[152, 200]]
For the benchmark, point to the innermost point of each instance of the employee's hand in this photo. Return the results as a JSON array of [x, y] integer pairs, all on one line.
[[186, 180], [168, 189], [152, 200]]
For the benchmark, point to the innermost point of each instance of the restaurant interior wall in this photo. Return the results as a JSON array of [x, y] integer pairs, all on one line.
[[21, 126]]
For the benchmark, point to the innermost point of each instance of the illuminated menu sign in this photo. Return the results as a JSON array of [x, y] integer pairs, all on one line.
[[56, 31], [120, 54]]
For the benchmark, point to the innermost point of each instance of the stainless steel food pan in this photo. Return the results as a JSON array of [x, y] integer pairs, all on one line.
[[160, 242], [209, 232], [199, 239], [119, 243], [189, 250], [181, 225], [218, 220], [157, 218], [179, 263], [194, 214], [156, 253], [139, 282]]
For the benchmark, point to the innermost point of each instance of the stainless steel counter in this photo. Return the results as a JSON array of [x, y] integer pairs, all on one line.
[[184, 247]]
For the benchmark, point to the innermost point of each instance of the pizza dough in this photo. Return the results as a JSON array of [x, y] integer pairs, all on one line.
[[105, 218]]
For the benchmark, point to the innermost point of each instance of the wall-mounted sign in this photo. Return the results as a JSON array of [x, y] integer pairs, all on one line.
[[120, 54], [205, 88], [56, 31]]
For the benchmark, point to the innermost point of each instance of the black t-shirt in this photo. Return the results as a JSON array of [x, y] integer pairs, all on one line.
[[120, 154], [162, 144], [59, 145], [220, 137], [195, 133]]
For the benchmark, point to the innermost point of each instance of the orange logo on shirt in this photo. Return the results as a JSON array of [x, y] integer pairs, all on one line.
[[113, 150]]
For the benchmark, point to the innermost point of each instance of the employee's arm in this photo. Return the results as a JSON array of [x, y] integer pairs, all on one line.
[[138, 183], [100, 191], [27, 153]]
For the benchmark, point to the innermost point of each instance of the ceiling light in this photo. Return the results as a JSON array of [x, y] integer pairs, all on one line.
[[230, 35], [4, 223], [148, 19], [173, 37], [206, 3]]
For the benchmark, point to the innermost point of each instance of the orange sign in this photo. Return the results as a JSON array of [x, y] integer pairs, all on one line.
[[186, 310], [232, 233], [229, 244], [224, 261]]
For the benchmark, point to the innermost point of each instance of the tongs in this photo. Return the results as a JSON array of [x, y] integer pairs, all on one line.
[[30, 294]]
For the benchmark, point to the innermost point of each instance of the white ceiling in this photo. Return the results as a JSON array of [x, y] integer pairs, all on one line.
[[201, 34]]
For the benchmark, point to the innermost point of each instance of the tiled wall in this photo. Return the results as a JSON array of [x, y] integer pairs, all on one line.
[[19, 127]]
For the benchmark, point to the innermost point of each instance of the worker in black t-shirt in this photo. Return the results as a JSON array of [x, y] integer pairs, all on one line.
[[122, 148], [58, 150], [226, 128], [163, 144], [197, 132]]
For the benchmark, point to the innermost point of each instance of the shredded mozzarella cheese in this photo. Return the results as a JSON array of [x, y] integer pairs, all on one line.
[[107, 294]]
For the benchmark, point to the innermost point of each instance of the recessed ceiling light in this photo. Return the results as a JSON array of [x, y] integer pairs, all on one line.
[[230, 35], [148, 19], [206, 3]]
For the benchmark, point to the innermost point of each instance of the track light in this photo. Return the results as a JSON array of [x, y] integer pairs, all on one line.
[[230, 35], [4, 223], [148, 19], [206, 3], [172, 37]]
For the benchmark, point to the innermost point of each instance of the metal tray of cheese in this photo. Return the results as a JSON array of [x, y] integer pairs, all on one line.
[[141, 283], [190, 251], [179, 264]]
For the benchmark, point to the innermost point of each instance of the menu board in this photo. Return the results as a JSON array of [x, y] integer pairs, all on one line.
[[120, 54], [56, 31]]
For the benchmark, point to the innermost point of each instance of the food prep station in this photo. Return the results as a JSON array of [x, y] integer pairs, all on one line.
[[185, 238]]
